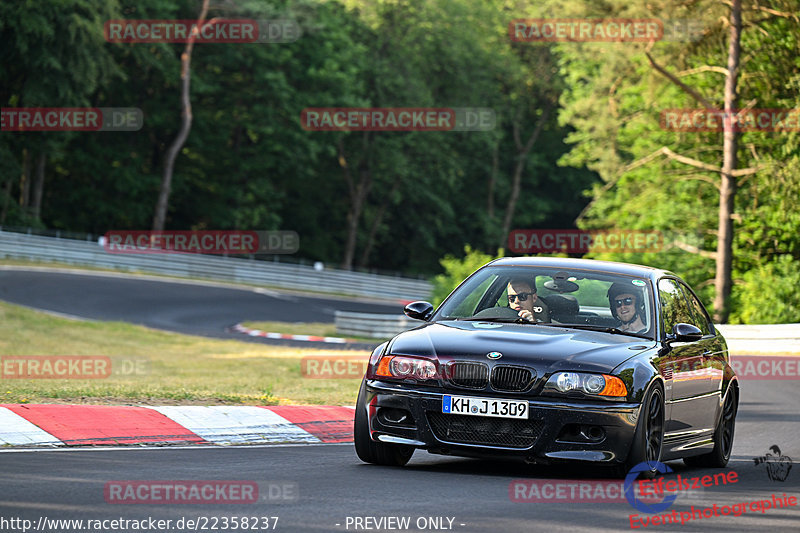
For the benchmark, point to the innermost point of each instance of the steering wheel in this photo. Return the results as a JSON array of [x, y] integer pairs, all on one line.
[[497, 312]]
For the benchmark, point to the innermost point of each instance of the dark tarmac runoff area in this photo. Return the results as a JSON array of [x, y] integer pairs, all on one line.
[[326, 487], [184, 307]]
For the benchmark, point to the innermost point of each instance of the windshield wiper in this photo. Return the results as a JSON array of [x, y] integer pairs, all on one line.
[[604, 329]]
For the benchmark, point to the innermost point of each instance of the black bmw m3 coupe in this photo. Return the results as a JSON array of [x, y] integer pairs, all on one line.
[[548, 359]]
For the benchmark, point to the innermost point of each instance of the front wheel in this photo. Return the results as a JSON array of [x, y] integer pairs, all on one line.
[[369, 451], [723, 436], [649, 436]]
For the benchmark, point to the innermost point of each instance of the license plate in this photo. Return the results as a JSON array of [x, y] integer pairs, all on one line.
[[465, 405]]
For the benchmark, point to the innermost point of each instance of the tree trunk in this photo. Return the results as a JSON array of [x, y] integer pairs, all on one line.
[[38, 186], [354, 215], [522, 156], [373, 230], [25, 180], [6, 200], [727, 196], [491, 184], [162, 204], [490, 230], [358, 194]]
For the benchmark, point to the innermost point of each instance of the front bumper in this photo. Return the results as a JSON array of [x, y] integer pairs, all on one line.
[[555, 429]]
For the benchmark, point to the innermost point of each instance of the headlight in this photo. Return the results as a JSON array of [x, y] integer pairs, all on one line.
[[395, 366], [594, 384], [567, 381]]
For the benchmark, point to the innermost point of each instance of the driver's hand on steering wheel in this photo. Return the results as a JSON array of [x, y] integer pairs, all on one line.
[[526, 315]]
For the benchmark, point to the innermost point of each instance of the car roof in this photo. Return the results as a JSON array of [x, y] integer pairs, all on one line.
[[585, 264]]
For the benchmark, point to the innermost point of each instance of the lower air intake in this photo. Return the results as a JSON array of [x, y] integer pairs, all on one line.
[[487, 431]]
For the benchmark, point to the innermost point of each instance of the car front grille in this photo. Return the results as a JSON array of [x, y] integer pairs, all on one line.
[[511, 378], [468, 375], [483, 430]]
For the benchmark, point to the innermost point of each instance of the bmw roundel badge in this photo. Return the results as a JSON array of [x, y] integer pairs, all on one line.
[[494, 355]]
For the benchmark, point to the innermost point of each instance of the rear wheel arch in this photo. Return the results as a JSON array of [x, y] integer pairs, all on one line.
[[724, 431]]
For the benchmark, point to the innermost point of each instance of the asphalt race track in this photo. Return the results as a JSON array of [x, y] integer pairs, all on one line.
[[325, 487], [328, 483], [189, 308]]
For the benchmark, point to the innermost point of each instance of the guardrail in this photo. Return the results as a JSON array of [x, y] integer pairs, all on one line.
[[273, 274], [372, 325], [741, 339], [761, 338]]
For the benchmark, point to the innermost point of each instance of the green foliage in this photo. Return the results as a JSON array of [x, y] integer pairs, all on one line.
[[768, 294], [249, 164], [613, 100], [592, 292], [457, 269]]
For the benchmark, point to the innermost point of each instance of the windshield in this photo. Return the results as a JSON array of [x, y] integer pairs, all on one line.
[[579, 298]]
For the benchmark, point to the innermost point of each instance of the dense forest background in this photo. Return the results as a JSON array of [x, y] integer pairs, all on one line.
[[577, 142]]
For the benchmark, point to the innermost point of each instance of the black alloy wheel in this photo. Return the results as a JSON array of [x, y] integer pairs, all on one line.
[[648, 439]]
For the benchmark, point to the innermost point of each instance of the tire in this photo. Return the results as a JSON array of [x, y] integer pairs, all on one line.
[[369, 451], [723, 435], [648, 440]]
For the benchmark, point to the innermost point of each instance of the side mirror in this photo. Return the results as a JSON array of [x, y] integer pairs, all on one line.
[[419, 310], [683, 332]]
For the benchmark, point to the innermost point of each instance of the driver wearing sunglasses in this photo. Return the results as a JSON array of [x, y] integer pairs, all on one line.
[[523, 299]]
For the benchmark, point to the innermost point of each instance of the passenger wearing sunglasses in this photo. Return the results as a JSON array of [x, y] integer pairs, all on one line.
[[627, 307], [523, 299]]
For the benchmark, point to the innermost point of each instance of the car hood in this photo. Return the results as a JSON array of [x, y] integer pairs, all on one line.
[[545, 348]]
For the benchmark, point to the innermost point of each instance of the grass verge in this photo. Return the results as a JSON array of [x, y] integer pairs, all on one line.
[[153, 367]]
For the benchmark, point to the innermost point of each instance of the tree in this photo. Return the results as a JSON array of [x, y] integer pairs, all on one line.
[[52, 56], [186, 123], [728, 172], [624, 145]]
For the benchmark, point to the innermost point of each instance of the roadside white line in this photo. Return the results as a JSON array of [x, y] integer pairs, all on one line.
[[16, 430], [290, 337], [207, 446], [235, 424]]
